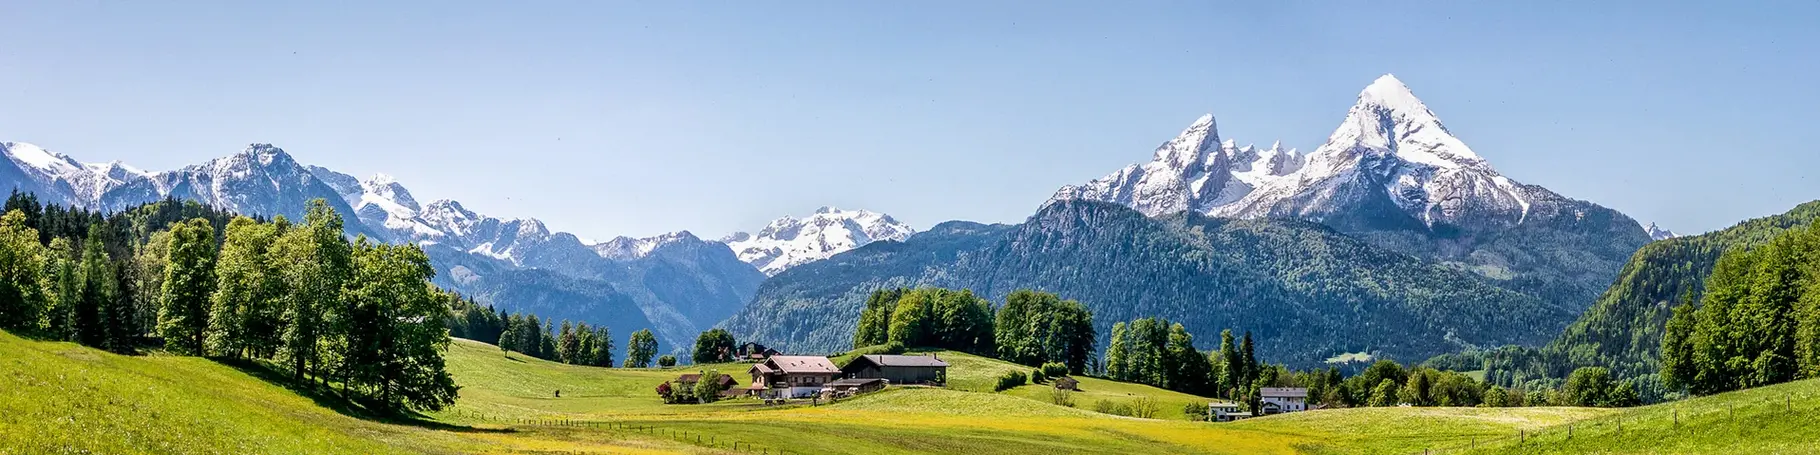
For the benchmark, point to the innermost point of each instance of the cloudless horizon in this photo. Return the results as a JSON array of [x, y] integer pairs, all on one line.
[[606, 119]]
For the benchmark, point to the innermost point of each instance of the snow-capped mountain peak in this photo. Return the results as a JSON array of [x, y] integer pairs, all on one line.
[[624, 248], [381, 188], [1390, 148], [1389, 120], [788, 241], [1658, 233], [57, 174], [39, 158]]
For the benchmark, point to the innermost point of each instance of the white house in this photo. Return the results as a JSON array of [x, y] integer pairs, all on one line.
[[1286, 399], [1225, 412]]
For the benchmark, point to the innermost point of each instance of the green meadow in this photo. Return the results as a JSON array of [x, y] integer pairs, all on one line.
[[63, 398]]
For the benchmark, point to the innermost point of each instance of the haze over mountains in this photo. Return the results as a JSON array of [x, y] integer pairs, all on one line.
[[1376, 231], [1392, 223], [675, 283]]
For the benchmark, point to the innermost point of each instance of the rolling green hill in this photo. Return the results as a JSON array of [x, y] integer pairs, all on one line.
[[61, 397], [1782, 419]]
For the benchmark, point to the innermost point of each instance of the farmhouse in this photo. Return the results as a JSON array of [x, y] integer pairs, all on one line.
[[791, 376], [899, 369], [688, 381], [1285, 399], [754, 352]]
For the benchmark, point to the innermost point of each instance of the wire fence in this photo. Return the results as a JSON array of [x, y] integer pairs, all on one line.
[[1676, 418], [698, 438]]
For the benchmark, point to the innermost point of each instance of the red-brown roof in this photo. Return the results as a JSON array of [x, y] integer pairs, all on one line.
[[802, 364]]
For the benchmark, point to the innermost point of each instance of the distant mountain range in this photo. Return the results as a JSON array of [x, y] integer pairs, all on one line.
[[675, 283], [789, 242], [1393, 238], [1393, 175]]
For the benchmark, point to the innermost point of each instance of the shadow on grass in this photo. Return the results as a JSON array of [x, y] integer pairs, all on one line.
[[326, 397]]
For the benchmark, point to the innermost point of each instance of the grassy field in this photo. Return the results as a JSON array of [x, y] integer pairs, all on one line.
[[1779, 419], [63, 398]]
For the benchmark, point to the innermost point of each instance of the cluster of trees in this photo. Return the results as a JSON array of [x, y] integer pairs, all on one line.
[[1153, 351], [715, 346], [576, 343], [73, 274], [1037, 327], [359, 314], [926, 317], [1757, 324], [1032, 327], [1624, 329], [1386, 383], [640, 348]]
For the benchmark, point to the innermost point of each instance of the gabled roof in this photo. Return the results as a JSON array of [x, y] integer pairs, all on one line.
[[904, 361], [1283, 392], [802, 364]]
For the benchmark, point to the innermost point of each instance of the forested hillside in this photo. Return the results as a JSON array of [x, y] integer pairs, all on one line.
[[1306, 291], [1623, 329]]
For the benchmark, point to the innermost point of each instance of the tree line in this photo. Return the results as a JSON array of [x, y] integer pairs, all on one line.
[[1157, 352], [1032, 328], [357, 314], [1757, 324], [574, 344]]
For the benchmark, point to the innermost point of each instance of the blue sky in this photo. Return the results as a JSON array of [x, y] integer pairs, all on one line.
[[607, 118]]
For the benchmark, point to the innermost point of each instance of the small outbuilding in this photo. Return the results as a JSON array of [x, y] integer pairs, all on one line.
[[899, 369], [849, 387], [1066, 383]]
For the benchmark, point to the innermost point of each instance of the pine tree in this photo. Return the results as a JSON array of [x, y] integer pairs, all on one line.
[[1248, 356], [1232, 365], [96, 296], [603, 355]]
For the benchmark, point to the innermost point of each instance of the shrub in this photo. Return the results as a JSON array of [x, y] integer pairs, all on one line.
[[1055, 369], [664, 390], [708, 389], [666, 361], [1145, 408], [1112, 407], [1010, 381], [1061, 397], [1037, 377]]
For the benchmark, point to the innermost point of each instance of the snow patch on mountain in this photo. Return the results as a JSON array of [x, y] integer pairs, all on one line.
[[61, 174], [788, 241]]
